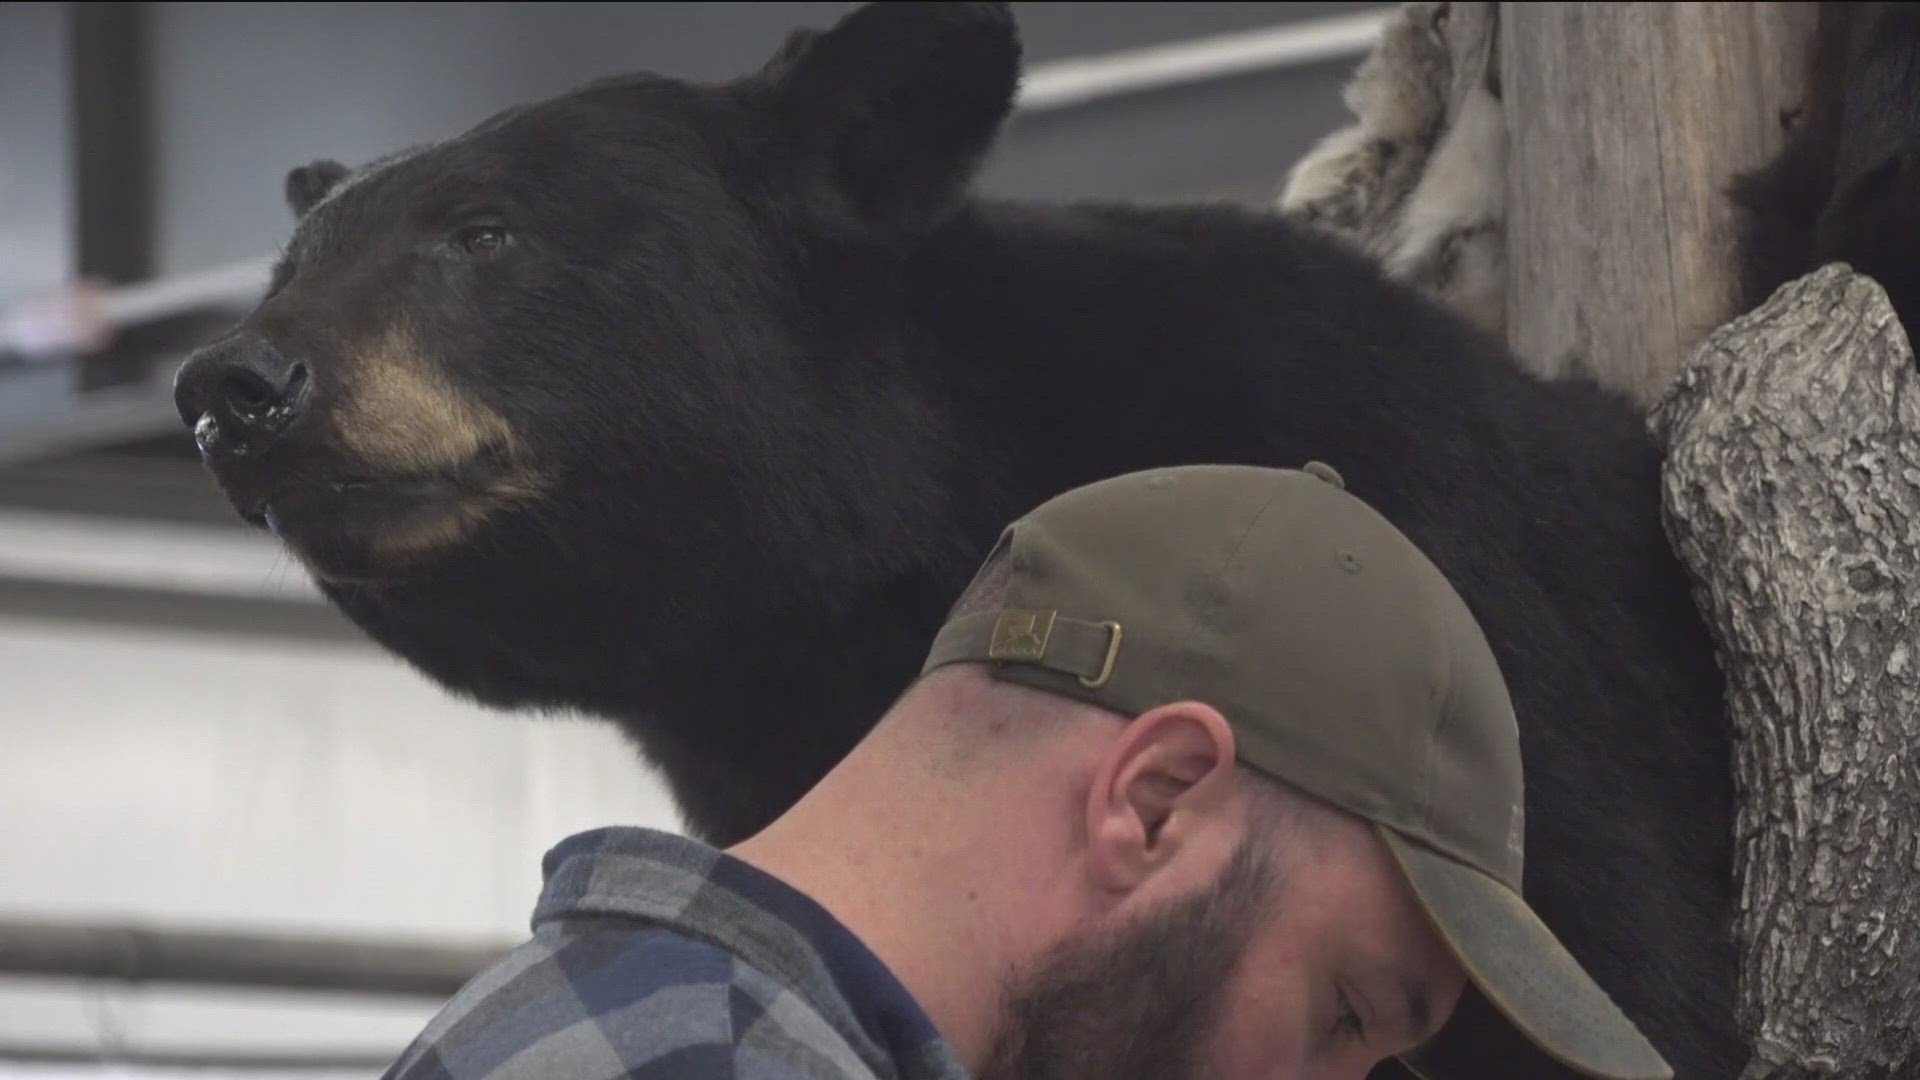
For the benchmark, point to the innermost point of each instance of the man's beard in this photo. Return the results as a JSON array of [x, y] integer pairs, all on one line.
[[1140, 1004]]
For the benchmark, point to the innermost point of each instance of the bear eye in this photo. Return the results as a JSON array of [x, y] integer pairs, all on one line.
[[481, 239]]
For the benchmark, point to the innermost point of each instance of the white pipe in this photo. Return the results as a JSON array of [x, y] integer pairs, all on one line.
[[236, 283], [1060, 84]]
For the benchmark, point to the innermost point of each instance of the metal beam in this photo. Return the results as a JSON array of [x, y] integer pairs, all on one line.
[[78, 550], [131, 953], [213, 1060], [306, 628], [115, 194], [112, 140]]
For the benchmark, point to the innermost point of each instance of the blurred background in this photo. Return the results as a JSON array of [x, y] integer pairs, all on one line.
[[203, 769]]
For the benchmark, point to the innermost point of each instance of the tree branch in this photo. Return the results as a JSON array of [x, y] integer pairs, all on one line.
[[1792, 493]]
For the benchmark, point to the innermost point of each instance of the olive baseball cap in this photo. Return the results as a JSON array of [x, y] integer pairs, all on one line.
[[1346, 665]]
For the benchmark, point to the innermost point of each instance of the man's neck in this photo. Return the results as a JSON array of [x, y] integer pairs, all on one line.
[[913, 899]]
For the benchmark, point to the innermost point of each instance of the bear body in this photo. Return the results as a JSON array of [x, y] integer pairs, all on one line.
[[1845, 187], [694, 407]]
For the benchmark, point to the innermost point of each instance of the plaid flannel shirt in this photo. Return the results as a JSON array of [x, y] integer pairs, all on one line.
[[657, 956]]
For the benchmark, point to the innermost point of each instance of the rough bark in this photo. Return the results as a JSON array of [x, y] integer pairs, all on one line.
[[1792, 494]]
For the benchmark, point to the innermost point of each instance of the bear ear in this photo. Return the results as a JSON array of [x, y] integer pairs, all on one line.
[[892, 110], [309, 183], [790, 50]]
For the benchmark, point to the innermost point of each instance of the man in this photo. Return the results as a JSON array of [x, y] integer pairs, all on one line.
[[1209, 773]]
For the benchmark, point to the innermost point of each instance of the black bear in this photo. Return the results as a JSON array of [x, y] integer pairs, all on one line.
[[1846, 185], [694, 406]]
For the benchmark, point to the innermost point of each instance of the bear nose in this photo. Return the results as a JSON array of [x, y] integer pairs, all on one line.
[[240, 394]]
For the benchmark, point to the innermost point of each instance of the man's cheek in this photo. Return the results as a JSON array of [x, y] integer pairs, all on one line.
[[1266, 1026]]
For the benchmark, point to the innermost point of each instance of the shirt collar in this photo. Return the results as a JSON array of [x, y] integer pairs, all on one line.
[[703, 892]]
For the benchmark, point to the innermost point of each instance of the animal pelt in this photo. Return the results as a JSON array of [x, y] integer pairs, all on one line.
[[1419, 181]]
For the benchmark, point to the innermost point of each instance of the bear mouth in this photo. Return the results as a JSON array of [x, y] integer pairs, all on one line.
[[357, 510]]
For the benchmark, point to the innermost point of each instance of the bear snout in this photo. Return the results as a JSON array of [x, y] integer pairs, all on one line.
[[240, 394]]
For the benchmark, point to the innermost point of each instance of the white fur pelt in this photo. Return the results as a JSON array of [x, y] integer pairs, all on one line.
[[1419, 182]]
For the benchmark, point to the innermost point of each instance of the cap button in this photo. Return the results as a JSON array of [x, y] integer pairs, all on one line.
[[1325, 472]]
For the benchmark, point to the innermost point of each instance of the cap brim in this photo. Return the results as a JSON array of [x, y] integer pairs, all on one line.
[[1523, 970]]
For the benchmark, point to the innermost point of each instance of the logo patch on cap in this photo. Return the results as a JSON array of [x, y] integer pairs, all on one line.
[[1021, 635]]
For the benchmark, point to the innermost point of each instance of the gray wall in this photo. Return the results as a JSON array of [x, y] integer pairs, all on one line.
[[244, 91], [36, 221]]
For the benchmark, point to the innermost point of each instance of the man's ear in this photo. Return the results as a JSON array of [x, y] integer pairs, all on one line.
[[1168, 777], [887, 115], [308, 184]]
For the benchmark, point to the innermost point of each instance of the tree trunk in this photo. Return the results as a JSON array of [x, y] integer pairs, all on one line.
[[1626, 125], [1792, 493]]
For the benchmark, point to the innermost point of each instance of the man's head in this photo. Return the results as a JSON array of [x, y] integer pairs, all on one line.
[[1178, 914], [1220, 778]]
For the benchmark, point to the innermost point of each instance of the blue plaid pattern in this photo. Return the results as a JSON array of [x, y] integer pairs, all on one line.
[[656, 956]]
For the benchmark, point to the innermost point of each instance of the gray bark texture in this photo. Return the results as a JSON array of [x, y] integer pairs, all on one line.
[[1792, 493]]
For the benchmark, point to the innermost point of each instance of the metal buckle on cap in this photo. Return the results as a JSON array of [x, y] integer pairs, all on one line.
[[1106, 667], [1023, 634]]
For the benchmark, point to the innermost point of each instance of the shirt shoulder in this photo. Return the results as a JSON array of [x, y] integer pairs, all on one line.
[[597, 999]]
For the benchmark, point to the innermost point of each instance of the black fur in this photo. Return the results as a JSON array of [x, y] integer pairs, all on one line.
[[790, 380], [1846, 188], [308, 184]]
